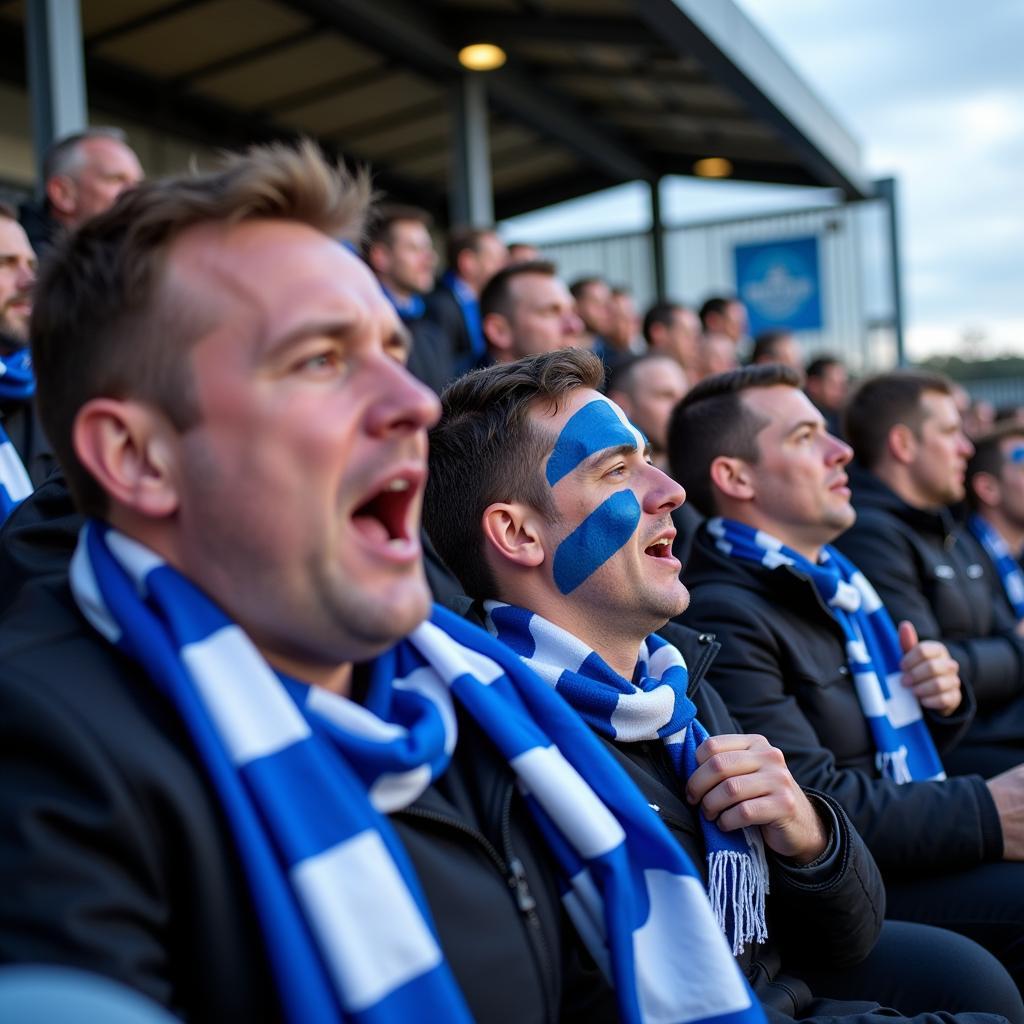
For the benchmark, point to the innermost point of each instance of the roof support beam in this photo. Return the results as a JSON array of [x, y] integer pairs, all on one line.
[[56, 74], [471, 199]]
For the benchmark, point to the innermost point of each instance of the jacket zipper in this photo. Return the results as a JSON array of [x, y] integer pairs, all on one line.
[[528, 907], [514, 873]]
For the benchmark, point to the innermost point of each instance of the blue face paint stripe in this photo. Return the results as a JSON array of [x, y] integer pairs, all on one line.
[[588, 431], [595, 540]]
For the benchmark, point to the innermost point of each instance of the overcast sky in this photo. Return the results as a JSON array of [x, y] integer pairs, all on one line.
[[934, 92]]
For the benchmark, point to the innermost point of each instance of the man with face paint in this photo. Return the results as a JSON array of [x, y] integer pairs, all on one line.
[[542, 500], [995, 497]]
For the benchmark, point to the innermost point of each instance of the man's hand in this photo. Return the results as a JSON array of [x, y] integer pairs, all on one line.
[[1007, 791], [929, 671], [743, 780]]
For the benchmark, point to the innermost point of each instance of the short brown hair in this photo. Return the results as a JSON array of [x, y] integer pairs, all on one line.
[[385, 216], [882, 402], [463, 237], [485, 449], [497, 294], [712, 421], [987, 457], [101, 324]]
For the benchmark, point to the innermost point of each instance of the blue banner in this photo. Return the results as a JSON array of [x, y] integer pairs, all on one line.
[[780, 284]]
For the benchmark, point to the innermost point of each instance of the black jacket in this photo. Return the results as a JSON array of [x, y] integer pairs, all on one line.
[[115, 857], [430, 359], [782, 672], [444, 310], [815, 918], [929, 570]]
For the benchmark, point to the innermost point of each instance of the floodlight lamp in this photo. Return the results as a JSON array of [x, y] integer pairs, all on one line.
[[713, 167], [482, 57]]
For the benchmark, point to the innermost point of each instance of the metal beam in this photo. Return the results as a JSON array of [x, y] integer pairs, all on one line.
[[56, 75], [657, 240], [885, 189], [739, 57], [406, 32], [470, 199]]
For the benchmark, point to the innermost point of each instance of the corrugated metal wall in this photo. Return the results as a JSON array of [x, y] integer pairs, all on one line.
[[699, 263]]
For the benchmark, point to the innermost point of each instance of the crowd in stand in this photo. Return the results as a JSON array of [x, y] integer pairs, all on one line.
[[655, 688]]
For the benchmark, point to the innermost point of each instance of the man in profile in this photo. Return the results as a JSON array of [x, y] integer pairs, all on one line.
[[526, 309], [672, 329], [24, 453], [400, 252], [828, 669], [911, 465], [82, 176], [995, 499], [243, 773]]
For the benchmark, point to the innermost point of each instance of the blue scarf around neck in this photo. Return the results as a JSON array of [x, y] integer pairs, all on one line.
[[651, 706], [1006, 565], [906, 752], [17, 385], [306, 779]]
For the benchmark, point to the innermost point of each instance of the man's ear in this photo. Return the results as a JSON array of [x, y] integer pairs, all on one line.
[[498, 331], [732, 477], [62, 193], [130, 450], [986, 488], [902, 443], [377, 256], [511, 532]]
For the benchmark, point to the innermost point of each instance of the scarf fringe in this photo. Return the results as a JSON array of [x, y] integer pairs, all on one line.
[[893, 765], [737, 887]]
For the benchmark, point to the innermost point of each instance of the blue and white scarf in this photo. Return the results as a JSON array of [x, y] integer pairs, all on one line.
[[469, 306], [17, 384], [906, 752], [652, 706], [1006, 565], [306, 778]]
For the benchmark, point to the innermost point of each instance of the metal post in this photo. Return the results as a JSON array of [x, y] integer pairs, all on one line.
[[885, 189], [471, 200], [657, 241], [56, 74]]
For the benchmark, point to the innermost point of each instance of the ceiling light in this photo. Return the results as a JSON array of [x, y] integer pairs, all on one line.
[[713, 167], [481, 57]]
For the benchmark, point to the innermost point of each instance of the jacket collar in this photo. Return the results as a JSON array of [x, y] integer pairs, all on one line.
[[785, 585]]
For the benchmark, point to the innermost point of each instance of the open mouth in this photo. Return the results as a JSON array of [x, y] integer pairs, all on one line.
[[385, 517], [660, 548]]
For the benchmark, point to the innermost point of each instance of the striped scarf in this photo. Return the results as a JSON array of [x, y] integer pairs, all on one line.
[[1005, 564], [653, 706], [17, 384], [906, 752], [306, 778]]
